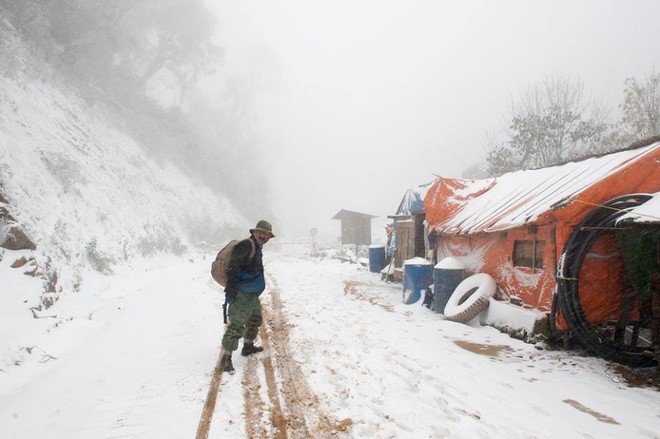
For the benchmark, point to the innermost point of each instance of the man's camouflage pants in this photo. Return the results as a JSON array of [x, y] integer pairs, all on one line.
[[244, 315]]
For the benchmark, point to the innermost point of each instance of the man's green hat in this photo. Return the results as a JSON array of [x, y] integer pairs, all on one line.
[[264, 226]]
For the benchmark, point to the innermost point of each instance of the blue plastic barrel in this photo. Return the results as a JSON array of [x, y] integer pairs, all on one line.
[[447, 274], [376, 258], [417, 276]]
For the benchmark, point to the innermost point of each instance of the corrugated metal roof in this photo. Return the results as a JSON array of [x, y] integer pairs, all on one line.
[[520, 197], [648, 212]]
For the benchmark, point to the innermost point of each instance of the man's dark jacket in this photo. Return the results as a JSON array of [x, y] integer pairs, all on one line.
[[245, 274]]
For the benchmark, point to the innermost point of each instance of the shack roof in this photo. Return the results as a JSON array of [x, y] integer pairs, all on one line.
[[413, 200], [345, 214], [455, 206], [648, 212]]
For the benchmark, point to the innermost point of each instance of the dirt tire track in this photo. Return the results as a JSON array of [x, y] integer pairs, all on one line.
[[211, 397], [306, 418], [277, 418], [303, 418], [350, 289], [253, 405]]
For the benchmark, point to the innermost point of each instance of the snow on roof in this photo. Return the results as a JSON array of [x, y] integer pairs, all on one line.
[[351, 214], [413, 200], [648, 212], [520, 197]]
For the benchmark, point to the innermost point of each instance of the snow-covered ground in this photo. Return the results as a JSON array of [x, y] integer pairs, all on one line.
[[133, 355], [127, 357]]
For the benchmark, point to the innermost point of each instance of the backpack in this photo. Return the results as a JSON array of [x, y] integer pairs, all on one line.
[[221, 263]]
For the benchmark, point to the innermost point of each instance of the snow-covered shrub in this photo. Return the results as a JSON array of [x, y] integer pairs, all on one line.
[[98, 261], [160, 239], [346, 253], [65, 171]]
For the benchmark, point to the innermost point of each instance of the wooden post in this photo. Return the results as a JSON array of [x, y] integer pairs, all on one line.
[[655, 322], [654, 289]]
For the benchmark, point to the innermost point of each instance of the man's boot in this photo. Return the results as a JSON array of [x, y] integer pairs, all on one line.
[[225, 364], [250, 348]]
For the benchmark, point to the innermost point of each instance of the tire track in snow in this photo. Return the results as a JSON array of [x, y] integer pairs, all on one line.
[[293, 408], [253, 405], [350, 289], [209, 404], [305, 416]]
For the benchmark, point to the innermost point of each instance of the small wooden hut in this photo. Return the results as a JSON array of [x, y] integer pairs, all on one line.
[[409, 225], [355, 227]]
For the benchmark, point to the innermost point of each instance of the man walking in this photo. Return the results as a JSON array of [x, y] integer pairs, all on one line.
[[245, 283]]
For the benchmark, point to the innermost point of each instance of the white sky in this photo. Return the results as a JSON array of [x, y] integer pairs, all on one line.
[[358, 101]]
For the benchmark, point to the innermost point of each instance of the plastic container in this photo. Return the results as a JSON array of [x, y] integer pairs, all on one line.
[[376, 258], [417, 276], [447, 274]]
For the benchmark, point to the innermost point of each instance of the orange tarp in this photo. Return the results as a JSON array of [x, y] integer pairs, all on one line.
[[448, 195], [492, 254], [476, 221], [642, 176]]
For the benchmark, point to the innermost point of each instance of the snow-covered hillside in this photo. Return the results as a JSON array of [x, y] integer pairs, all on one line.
[[86, 194]]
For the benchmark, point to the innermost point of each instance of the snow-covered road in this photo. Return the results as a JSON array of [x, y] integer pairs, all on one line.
[[135, 354], [133, 360]]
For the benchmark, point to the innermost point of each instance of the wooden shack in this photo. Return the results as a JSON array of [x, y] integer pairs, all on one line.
[[409, 227], [355, 227]]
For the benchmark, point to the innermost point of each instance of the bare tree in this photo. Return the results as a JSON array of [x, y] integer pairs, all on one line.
[[641, 108], [548, 123], [121, 44], [177, 38]]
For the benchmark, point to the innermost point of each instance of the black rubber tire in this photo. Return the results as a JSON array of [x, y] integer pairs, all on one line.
[[465, 302], [601, 219]]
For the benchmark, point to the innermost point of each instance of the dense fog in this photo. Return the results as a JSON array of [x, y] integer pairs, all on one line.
[[358, 101], [297, 109]]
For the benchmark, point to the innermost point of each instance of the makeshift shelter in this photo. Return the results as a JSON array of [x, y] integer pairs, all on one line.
[[557, 229], [409, 225], [355, 227]]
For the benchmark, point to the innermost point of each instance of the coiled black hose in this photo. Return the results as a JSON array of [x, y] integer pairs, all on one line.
[[568, 272]]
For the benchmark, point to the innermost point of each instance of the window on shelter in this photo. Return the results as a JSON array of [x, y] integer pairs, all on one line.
[[528, 253]]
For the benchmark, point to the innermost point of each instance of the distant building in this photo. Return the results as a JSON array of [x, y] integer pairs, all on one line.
[[355, 227]]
